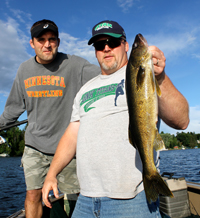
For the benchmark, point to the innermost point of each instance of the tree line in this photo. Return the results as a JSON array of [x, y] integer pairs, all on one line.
[[186, 140], [15, 143]]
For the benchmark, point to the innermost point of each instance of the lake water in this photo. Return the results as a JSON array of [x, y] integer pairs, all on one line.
[[12, 186], [183, 163]]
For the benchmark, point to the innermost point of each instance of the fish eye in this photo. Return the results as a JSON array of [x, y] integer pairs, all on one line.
[[135, 45]]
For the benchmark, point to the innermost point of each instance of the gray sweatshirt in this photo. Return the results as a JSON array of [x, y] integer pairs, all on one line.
[[46, 92]]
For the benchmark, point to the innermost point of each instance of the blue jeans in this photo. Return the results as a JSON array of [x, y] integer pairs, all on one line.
[[104, 207]]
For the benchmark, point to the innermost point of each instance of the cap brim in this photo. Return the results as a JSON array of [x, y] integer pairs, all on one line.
[[93, 39], [39, 30]]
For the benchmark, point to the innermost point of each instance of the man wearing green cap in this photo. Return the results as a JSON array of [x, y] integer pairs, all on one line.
[[109, 168]]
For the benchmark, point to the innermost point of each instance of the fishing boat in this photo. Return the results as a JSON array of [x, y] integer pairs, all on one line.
[[186, 201], [4, 155], [185, 204], [59, 209]]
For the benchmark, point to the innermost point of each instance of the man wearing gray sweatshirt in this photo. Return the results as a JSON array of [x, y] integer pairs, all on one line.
[[45, 86]]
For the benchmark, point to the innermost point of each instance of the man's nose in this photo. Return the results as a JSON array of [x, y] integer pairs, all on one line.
[[107, 48], [47, 43]]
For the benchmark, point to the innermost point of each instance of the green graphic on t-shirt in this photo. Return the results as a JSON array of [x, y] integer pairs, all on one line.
[[95, 94]]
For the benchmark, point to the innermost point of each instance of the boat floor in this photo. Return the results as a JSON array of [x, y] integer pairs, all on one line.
[[18, 214], [59, 207], [57, 211]]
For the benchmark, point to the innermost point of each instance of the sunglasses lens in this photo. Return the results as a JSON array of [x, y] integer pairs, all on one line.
[[100, 45], [112, 43]]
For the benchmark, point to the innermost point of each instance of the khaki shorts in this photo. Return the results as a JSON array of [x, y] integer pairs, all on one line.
[[36, 165]]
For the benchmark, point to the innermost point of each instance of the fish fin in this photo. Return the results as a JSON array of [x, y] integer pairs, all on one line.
[[158, 143], [152, 81], [140, 77], [130, 137], [155, 185], [158, 88]]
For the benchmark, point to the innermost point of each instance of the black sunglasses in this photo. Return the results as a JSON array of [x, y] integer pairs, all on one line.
[[111, 42]]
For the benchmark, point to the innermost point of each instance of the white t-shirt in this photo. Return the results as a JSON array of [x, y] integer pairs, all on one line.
[[107, 164]]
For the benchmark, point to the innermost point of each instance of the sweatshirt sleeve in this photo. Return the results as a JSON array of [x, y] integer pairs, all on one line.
[[15, 105], [89, 71]]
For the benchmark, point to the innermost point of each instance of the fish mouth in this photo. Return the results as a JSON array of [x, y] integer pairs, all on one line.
[[140, 41], [140, 51]]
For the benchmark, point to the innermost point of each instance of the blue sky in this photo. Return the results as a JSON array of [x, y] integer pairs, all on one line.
[[173, 26]]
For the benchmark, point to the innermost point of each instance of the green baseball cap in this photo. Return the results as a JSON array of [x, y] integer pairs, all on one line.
[[107, 27]]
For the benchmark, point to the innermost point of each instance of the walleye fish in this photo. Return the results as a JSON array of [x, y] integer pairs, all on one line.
[[142, 90]]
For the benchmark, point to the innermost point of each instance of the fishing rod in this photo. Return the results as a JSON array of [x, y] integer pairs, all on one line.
[[14, 124]]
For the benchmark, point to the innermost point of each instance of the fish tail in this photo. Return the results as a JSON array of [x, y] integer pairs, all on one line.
[[155, 185]]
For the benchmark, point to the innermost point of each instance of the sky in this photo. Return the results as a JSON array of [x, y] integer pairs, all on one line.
[[172, 26]]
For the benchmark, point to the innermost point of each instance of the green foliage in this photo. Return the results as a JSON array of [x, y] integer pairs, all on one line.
[[15, 141], [4, 148], [21, 148], [174, 142], [182, 139], [166, 138]]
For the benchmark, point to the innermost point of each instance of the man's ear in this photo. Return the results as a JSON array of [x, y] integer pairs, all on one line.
[[58, 42], [31, 43], [126, 46]]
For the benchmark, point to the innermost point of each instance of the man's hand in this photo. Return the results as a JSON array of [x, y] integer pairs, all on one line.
[[159, 63], [49, 184], [173, 108], [65, 151]]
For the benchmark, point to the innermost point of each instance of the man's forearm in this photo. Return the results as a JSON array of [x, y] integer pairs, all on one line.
[[173, 107], [65, 151]]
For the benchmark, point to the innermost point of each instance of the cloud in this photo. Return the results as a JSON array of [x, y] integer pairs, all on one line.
[[175, 35], [20, 15], [194, 125], [72, 45], [12, 52], [125, 4], [172, 44]]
